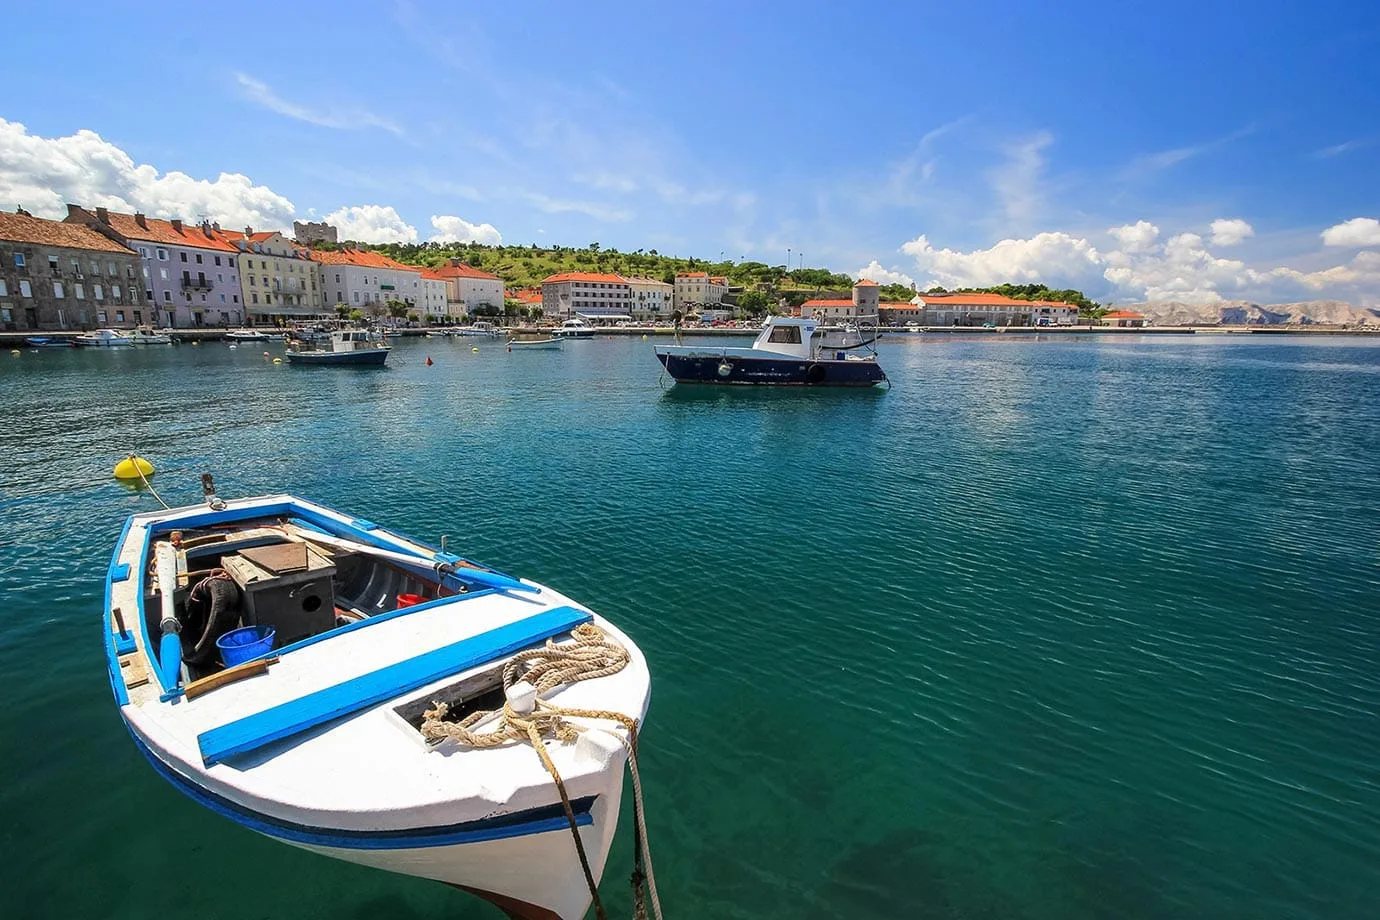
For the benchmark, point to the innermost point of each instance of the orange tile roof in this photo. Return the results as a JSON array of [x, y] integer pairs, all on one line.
[[865, 283], [984, 300], [23, 228], [157, 230], [432, 275], [1123, 314], [828, 303], [692, 274], [466, 271], [718, 279], [897, 305], [527, 295], [361, 258], [586, 277]]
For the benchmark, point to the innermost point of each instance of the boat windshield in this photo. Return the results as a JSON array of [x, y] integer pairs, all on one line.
[[786, 335]]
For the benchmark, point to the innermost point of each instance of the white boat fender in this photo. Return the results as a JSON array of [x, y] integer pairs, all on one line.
[[725, 369], [522, 696], [597, 746]]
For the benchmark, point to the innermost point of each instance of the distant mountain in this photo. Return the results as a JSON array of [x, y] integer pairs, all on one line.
[[1241, 312]]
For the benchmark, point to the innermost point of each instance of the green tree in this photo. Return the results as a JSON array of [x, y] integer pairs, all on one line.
[[396, 308], [754, 303]]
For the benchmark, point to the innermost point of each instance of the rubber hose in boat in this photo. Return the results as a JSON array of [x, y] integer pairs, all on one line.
[[216, 600]]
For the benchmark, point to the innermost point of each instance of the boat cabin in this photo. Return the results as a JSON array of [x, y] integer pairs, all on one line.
[[352, 340], [787, 335]]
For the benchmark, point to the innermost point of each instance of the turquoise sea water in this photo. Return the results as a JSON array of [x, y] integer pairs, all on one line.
[[1059, 627]]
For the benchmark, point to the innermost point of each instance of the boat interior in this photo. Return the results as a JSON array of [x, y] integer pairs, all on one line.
[[281, 573]]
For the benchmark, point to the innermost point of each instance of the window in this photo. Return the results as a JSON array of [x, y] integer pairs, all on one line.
[[198, 258], [162, 254], [53, 264], [112, 270], [146, 273], [115, 292], [356, 293], [4, 290], [144, 251], [138, 316], [167, 297], [24, 289], [163, 273], [248, 263], [251, 281], [183, 255], [187, 295], [100, 317], [57, 289], [98, 291], [337, 278], [234, 298], [19, 260], [80, 291], [217, 260], [231, 260], [789, 335], [222, 298], [119, 316], [254, 298]]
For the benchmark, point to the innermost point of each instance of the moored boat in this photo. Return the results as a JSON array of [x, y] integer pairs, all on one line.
[[789, 351], [574, 329], [480, 329], [145, 335], [352, 725], [44, 341], [534, 343], [246, 335], [103, 338], [345, 346]]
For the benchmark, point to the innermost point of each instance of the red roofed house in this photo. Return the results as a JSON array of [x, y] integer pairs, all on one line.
[[190, 272], [588, 295], [697, 289], [977, 309], [1128, 318], [356, 278], [468, 287], [56, 275], [863, 306]]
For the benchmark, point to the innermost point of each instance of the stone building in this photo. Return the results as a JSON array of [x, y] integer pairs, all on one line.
[[55, 275], [307, 233]]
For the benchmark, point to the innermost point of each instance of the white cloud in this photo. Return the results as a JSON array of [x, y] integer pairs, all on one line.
[[1052, 258], [371, 223], [875, 272], [1181, 268], [1137, 237], [588, 208], [1017, 182], [43, 173], [451, 229], [1230, 231], [1359, 231], [345, 119]]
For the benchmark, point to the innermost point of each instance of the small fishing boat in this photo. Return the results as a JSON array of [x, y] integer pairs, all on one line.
[[44, 341], [482, 329], [574, 329], [345, 346], [534, 343], [340, 687], [246, 335], [144, 335], [103, 338], [789, 351]]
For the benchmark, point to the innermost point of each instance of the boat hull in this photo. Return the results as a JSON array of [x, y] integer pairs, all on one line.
[[783, 371], [373, 357]]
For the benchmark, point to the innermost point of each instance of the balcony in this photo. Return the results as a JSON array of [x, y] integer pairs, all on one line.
[[196, 284]]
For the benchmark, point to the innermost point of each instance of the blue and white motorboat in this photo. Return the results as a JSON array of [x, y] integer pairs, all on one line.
[[45, 341], [103, 338], [789, 351], [354, 347], [480, 329], [574, 329], [246, 335], [354, 722]]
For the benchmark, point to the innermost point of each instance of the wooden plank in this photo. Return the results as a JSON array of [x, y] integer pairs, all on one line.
[[228, 676], [296, 716]]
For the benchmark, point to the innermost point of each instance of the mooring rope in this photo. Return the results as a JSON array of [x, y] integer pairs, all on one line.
[[593, 655], [135, 461]]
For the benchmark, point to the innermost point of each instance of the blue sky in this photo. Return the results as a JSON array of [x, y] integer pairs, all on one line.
[[1092, 144]]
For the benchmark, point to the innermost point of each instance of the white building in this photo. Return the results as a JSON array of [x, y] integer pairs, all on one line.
[[434, 299], [977, 309], [468, 287], [356, 278], [694, 289], [589, 295], [650, 299]]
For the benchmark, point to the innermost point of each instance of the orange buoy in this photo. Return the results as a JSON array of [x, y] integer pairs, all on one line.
[[428, 360]]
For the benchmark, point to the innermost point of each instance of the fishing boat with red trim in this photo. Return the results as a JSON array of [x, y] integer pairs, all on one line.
[[343, 688]]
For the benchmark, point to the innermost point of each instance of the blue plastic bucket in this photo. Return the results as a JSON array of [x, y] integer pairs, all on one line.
[[239, 645]]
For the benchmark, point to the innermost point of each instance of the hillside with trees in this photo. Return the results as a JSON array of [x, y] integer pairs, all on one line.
[[526, 266]]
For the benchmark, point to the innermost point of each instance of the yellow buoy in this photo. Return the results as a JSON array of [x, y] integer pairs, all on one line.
[[131, 467], [277, 360], [15, 351], [644, 336], [475, 349]]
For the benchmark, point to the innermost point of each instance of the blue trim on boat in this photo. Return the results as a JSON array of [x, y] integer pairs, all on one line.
[[544, 819], [118, 572], [326, 705], [362, 524], [112, 656]]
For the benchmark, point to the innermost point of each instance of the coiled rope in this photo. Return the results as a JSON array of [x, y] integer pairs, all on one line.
[[593, 655]]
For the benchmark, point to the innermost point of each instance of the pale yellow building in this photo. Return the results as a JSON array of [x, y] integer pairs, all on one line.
[[278, 279]]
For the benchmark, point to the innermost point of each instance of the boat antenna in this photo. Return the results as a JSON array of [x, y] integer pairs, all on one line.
[[208, 490]]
